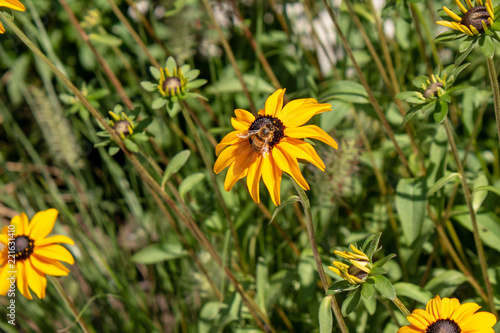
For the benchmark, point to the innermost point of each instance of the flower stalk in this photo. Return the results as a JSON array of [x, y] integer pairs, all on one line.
[[496, 91], [401, 307], [69, 304], [319, 265]]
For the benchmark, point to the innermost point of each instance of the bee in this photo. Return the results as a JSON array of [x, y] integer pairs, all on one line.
[[260, 138]]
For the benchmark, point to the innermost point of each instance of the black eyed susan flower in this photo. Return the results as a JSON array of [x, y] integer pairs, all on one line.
[[265, 146], [449, 316], [12, 4], [173, 83], [36, 255], [131, 131], [474, 20], [361, 276]]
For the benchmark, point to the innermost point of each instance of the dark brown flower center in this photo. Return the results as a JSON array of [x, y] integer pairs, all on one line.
[[121, 127], [24, 247], [444, 326], [354, 271], [475, 16], [432, 90], [172, 85], [268, 127]]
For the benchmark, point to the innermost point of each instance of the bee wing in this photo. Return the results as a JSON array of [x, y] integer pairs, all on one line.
[[247, 134]]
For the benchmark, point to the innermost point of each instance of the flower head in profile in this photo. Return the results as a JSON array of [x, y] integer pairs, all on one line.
[[472, 21], [35, 254], [266, 145], [359, 267], [449, 316], [12, 4]]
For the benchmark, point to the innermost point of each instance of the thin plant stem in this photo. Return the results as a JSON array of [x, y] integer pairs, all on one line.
[[401, 307], [69, 303], [430, 39], [132, 32], [102, 62], [496, 91], [371, 97], [208, 165], [319, 265], [255, 311], [468, 201], [230, 54]]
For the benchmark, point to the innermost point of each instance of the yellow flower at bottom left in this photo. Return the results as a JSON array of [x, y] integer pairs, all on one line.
[[29, 254], [12, 4]]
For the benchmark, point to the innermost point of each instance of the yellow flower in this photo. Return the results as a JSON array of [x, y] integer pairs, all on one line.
[[29, 254], [447, 315], [270, 144], [13, 4], [474, 20], [172, 83], [357, 272]]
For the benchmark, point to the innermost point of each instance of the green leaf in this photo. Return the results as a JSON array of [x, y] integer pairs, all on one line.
[[190, 182], [262, 283], [413, 112], [421, 81], [195, 83], [445, 282], [411, 204], [173, 108], [488, 225], [465, 44], [442, 182], [371, 244], [384, 286], [141, 126], [288, 201], [113, 150], [105, 39], [192, 74], [340, 286], [176, 163], [131, 145], [159, 252], [351, 301], [487, 46], [170, 64], [440, 112], [155, 72], [488, 188], [384, 260], [325, 315], [158, 103], [449, 36], [367, 289], [461, 56], [406, 94], [478, 197], [375, 270]]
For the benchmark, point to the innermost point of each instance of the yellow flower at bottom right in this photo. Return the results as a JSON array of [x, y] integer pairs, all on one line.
[[447, 315]]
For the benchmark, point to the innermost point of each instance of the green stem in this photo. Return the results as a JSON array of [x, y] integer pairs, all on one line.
[[69, 303], [401, 307], [319, 265], [468, 201], [496, 91]]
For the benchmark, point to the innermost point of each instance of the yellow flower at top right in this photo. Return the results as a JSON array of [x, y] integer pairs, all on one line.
[[473, 21]]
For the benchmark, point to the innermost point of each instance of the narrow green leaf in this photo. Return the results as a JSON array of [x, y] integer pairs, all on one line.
[[170, 64], [105, 39], [196, 83], [351, 301], [325, 315], [131, 145], [488, 188], [384, 260], [340, 286], [442, 182], [158, 103], [190, 182], [176, 163], [371, 244], [159, 252], [478, 197], [288, 201], [440, 112], [384, 286]]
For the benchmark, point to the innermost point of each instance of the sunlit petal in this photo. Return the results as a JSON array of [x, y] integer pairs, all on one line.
[[49, 267], [42, 223], [53, 240], [253, 178], [13, 4], [313, 132], [274, 103], [55, 252]]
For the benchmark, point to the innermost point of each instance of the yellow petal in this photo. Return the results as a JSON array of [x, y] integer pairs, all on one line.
[[420, 318], [271, 175], [452, 14], [461, 7], [22, 280], [253, 178], [290, 165], [299, 115], [409, 329], [469, 3], [33, 279], [474, 30], [49, 267], [434, 307], [274, 103], [239, 125], [446, 24], [42, 223], [53, 240], [13, 4], [55, 252], [229, 139], [479, 2], [313, 132], [478, 321], [464, 311], [239, 168], [2, 30], [300, 149], [244, 117], [20, 223], [446, 308], [226, 158], [4, 238], [4, 283]]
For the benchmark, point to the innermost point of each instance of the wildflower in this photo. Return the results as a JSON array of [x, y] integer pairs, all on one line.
[[474, 21], [449, 316], [35, 254], [131, 131], [359, 269], [173, 83], [12, 4], [270, 144]]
